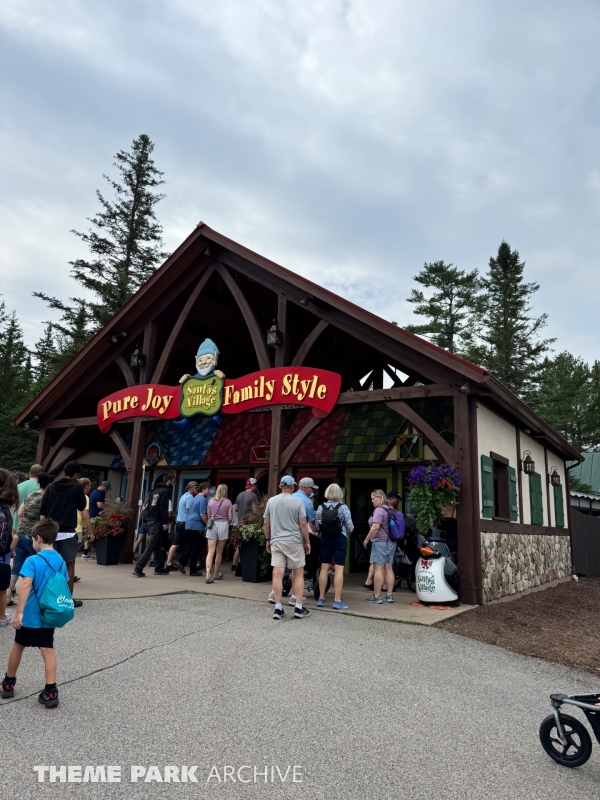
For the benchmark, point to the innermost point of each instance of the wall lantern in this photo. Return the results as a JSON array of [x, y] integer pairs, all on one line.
[[138, 359], [554, 477], [274, 335], [528, 463], [116, 337]]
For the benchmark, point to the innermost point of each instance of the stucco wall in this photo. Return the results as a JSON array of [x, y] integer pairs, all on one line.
[[537, 453], [513, 562], [495, 435]]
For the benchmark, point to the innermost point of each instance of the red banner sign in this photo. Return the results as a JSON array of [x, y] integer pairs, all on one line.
[[318, 389]]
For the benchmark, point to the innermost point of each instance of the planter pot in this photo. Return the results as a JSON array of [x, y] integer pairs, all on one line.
[[108, 550], [249, 562]]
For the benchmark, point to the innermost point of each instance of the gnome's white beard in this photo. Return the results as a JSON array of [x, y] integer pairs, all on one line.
[[206, 369]]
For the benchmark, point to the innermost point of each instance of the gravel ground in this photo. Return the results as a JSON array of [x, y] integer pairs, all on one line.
[[558, 624], [367, 710]]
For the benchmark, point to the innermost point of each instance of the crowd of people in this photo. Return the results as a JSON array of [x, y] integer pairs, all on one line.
[[43, 514]]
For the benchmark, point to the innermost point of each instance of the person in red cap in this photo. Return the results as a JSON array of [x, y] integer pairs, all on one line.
[[243, 507]]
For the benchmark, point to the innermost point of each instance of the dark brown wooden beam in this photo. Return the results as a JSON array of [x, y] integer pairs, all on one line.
[[289, 451], [77, 453], [281, 352], [56, 448], [73, 422], [125, 368], [123, 449], [256, 334], [276, 440], [149, 351], [500, 526], [519, 475], [309, 343], [169, 347], [398, 393], [467, 510], [134, 486], [42, 447], [444, 450]]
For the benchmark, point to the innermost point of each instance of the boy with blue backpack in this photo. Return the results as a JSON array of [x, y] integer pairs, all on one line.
[[45, 603]]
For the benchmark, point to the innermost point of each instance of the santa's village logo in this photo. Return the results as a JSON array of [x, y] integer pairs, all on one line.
[[209, 393]]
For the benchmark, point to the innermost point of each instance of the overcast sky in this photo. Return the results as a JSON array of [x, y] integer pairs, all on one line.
[[350, 140]]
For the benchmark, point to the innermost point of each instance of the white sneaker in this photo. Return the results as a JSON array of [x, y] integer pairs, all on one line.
[[272, 598], [292, 600], [6, 621]]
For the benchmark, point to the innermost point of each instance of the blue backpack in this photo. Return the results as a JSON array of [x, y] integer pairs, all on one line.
[[56, 603]]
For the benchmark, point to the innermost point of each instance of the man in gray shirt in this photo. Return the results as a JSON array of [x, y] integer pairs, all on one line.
[[286, 534]]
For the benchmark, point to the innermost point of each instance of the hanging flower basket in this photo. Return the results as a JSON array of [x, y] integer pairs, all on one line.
[[432, 488]]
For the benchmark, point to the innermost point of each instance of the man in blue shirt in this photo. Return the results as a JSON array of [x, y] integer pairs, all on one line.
[[97, 499], [195, 527], [191, 490], [305, 492]]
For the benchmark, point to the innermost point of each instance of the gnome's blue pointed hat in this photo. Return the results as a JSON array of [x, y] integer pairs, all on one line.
[[207, 348]]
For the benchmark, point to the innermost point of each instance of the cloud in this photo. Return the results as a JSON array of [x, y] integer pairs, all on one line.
[[350, 140]]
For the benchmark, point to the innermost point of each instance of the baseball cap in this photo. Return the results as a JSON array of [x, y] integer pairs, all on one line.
[[308, 482], [287, 480], [251, 482], [105, 483], [191, 483], [394, 493]]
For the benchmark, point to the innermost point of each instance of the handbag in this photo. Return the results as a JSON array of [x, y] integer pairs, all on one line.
[[211, 520]]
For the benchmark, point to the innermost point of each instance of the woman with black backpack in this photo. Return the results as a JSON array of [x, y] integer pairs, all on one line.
[[333, 523]]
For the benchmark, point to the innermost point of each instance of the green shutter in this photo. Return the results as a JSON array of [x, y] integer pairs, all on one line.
[[559, 508], [536, 500], [512, 488], [487, 487]]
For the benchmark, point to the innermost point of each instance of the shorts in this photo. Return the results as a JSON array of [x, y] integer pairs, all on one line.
[[23, 550], [179, 538], [219, 530], [383, 552], [35, 637], [68, 548], [334, 549], [4, 577], [287, 554]]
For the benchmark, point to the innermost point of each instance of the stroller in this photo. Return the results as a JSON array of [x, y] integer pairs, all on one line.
[[407, 555], [564, 737]]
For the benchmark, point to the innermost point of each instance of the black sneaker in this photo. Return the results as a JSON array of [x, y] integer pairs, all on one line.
[[49, 699], [301, 613], [77, 604], [162, 571], [278, 613], [8, 688], [138, 574], [182, 570]]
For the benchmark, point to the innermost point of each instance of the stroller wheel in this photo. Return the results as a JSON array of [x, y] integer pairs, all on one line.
[[286, 585], [411, 581], [579, 744]]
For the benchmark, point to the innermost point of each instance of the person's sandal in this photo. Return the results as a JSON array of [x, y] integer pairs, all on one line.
[[209, 580], [219, 576]]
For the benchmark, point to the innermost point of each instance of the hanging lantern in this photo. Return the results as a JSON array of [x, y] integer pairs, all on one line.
[[274, 335], [554, 477], [138, 359], [528, 463]]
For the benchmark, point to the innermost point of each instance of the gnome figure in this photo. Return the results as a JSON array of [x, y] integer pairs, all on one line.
[[206, 361]]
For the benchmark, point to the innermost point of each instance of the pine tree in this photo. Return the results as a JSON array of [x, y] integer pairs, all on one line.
[[452, 308], [126, 239], [73, 331], [125, 244], [45, 354], [17, 445], [510, 346], [567, 397]]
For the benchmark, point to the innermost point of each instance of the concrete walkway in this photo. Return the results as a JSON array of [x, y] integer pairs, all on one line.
[[365, 711], [103, 583]]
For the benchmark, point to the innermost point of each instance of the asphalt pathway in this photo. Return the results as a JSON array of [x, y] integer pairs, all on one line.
[[364, 709]]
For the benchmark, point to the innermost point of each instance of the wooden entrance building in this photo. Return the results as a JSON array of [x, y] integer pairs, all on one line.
[[403, 401]]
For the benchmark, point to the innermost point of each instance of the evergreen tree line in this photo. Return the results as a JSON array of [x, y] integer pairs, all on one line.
[[488, 319]]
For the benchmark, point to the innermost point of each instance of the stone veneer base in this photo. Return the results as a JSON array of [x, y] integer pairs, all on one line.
[[513, 562]]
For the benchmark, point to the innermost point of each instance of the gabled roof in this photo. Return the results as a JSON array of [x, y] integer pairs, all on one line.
[[133, 315]]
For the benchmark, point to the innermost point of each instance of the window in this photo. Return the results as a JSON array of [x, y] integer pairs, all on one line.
[[499, 488]]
